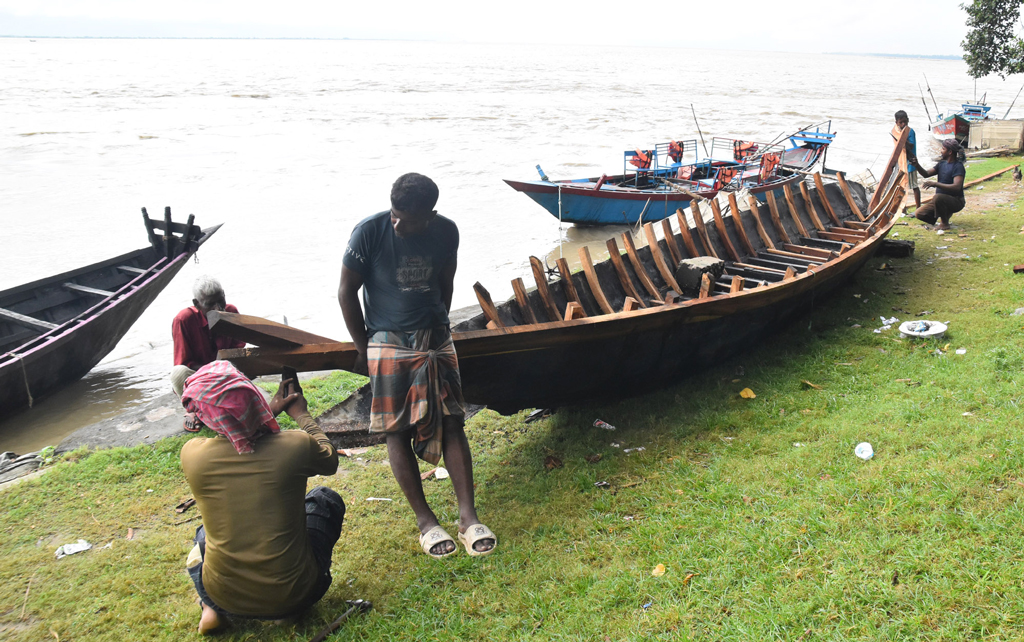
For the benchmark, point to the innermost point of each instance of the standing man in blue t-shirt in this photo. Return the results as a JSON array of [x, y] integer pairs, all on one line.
[[404, 260], [908, 159]]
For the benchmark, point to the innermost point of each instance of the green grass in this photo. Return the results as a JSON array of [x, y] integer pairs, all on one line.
[[767, 524]]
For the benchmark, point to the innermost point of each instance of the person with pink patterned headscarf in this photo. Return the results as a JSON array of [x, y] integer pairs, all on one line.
[[264, 548]]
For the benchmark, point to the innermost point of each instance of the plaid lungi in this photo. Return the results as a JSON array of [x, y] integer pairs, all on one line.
[[415, 381]]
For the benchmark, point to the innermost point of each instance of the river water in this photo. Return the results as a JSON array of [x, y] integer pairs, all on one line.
[[290, 143]]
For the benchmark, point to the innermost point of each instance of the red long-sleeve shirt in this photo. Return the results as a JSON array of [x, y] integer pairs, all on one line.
[[194, 344]]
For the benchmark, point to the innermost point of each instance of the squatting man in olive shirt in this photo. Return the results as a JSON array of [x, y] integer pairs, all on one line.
[[264, 548]]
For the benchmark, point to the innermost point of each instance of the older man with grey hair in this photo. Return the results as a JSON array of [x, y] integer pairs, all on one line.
[[194, 344]]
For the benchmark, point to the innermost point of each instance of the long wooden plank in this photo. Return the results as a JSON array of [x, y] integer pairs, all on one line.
[[620, 270], [670, 241], [684, 231], [823, 195], [659, 258], [29, 322], [791, 205], [638, 268], [797, 255], [813, 213], [884, 203], [702, 230], [483, 297], [259, 331], [87, 290], [593, 281], [837, 236], [890, 165], [568, 287], [767, 240], [848, 195], [254, 362], [720, 226], [738, 224], [816, 252], [773, 210], [759, 268], [131, 270], [850, 231], [524, 301], [540, 277]]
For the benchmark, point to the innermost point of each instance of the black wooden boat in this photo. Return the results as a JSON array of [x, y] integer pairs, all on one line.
[[53, 331], [625, 325]]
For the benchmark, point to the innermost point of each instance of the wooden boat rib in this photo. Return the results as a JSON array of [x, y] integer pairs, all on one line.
[[54, 330], [622, 327]]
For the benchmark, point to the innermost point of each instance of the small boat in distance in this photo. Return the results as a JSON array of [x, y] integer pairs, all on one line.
[[54, 330], [957, 124], [656, 182]]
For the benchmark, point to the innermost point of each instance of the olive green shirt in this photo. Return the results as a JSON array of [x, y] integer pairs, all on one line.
[[258, 560]]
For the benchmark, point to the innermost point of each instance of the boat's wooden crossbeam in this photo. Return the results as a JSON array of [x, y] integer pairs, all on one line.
[[541, 279], [702, 230], [755, 214], [773, 210], [789, 258], [775, 265], [659, 259], [823, 197], [684, 232], [848, 195], [568, 287], [755, 273], [130, 269], [622, 273], [793, 213], [595, 284], [519, 288], [723, 234], [813, 213], [87, 290], [738, 225], [37, 325], [670, 241]]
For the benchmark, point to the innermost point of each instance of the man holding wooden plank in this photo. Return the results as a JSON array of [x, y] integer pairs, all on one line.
[[404, 260]]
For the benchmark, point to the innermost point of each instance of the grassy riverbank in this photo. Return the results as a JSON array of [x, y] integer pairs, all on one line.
[[766, 523]]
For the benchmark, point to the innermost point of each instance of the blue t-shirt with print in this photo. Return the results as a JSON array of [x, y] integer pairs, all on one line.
[[946, 172], [401, 286], [911, 150]]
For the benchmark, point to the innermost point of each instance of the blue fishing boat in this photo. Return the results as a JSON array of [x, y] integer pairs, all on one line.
[[654, 183]]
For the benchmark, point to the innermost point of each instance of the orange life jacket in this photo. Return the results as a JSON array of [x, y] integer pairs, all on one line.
[[675, 151], [742, 149], [642, 160], [768, 164]]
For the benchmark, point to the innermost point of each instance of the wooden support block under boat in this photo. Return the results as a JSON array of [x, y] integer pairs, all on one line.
[[638, 268], [823, 195], [791, 205], [736, 285], [813, 213], [722, 234], [593, 281], [705, 286], [568, 287], [36, 325], [541, 279], [630, 304], [845, 187], [684, 231], [773, 210], [702, 230], [670, 241], [259, 331], [767, 240], [483, 297], [524, 301], [738, 224], [620, 271], [659, 258], [890, 165], [574, 311]]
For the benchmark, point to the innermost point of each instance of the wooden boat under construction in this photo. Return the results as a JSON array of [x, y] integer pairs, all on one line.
[[625, 325], [53, 331]]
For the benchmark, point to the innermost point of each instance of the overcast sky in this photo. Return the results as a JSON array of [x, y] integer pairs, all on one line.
[[924, 27]]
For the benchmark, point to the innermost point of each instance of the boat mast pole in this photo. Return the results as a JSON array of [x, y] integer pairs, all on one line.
[[926, 104], [937, 115], [698, 130], [560, 240], [1014, 101]]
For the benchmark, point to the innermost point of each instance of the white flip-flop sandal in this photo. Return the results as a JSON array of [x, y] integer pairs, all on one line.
[[435, 536], [474, 534]]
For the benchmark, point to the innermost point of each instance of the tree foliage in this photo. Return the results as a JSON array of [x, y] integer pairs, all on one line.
[[991, 45]]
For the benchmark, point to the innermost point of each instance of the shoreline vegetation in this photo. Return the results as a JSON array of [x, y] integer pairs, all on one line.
[[703, 515]]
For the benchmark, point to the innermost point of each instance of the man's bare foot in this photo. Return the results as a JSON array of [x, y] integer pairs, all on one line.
[[192, 423], [209, 621]]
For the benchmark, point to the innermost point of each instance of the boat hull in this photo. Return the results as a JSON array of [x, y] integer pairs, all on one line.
[[954, 126], [583, 205], [65, 354]]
